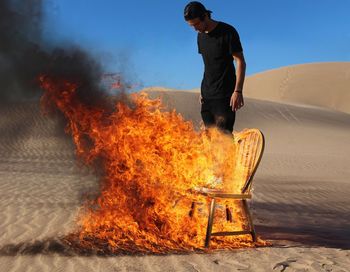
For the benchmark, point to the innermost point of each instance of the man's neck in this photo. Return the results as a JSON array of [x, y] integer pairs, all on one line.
[[211, 25]]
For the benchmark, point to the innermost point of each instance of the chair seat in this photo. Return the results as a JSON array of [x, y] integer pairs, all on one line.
[[220, 193]]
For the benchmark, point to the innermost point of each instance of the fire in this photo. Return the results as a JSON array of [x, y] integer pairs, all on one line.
[[151, 159]]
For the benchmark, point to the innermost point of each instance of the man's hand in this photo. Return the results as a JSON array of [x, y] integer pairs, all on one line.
[[236, 101]]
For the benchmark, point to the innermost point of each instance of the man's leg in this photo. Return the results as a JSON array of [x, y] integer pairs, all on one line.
[[223, 114], [207, 115]]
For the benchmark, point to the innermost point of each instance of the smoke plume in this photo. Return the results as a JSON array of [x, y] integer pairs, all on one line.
[[25, 54]]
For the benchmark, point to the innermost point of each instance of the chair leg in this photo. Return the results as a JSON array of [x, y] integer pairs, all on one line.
[[249, 217], [210, 222], [193, 207], [228, 214]]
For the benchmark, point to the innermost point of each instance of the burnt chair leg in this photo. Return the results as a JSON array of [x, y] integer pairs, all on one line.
[[228, 214], [193, 208], [210, 222], [249, 217]]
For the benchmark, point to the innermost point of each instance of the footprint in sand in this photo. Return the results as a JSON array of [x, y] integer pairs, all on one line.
[[283, 265], [284, 83]]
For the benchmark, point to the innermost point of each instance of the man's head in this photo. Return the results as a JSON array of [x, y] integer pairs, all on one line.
[[197, 16]]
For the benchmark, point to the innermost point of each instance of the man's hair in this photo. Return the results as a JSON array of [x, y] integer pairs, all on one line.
[[196, 10]]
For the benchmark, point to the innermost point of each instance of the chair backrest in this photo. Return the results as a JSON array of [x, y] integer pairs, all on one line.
[[250, 144]]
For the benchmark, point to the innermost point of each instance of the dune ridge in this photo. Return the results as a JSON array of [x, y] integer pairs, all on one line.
[[316, 84]]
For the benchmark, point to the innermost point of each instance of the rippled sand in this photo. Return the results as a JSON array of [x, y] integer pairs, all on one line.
[[301, 193]]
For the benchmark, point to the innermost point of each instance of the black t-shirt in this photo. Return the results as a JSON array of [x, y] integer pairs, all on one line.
[[216, 48]]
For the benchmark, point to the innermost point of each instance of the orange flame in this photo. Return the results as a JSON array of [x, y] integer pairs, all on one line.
[[151, 160]]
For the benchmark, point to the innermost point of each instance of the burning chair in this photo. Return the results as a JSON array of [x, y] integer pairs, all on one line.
[[249, 150]]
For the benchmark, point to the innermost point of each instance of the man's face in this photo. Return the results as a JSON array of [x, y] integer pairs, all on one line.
[[198, 25]]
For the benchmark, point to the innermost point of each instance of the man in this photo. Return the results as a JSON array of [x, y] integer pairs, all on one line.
[[222, 85]]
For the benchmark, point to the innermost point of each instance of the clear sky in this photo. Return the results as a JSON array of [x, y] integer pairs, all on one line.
[[149, 41]]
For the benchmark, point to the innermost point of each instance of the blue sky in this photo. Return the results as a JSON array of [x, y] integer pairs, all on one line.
[[150, 42]]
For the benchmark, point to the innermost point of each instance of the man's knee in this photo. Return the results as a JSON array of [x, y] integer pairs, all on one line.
[[220, 121], [225, 122]]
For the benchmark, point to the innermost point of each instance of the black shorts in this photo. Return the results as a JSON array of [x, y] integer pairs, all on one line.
[[218, 112]]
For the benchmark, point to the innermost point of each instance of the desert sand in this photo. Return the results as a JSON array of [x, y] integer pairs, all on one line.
[[319, 84], [300, 199]]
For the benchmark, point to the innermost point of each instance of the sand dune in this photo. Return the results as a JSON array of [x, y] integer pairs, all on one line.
[[318, 84], [300, 200]]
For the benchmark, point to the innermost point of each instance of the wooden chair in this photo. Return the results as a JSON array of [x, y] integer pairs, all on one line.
[[250, 145]]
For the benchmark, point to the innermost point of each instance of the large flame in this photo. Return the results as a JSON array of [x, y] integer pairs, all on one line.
[[151, 159]]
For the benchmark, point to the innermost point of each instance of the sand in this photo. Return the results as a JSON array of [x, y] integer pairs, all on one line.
[[319, 84], [300, 201]]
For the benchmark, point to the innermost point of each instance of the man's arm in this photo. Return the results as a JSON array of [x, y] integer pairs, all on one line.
[[237, 97]]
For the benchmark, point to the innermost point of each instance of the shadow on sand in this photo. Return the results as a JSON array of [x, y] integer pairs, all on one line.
[[58, 246], [48, 246], [304, 225]]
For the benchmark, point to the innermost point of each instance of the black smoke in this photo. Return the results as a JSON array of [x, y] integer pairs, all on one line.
[[25, 54]]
